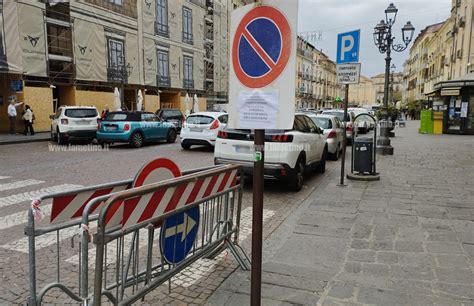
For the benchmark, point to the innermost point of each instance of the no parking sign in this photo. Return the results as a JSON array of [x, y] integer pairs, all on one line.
[[263, 61]]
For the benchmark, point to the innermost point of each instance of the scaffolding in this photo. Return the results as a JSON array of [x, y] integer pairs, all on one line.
[[209, 47]]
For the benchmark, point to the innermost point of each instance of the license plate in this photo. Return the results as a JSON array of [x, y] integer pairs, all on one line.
[[83, 122], [110, 128], [243, 149], [198, 130]]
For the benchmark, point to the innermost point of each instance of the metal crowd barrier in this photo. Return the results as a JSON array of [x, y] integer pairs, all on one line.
[[76, 210], [202, 206]]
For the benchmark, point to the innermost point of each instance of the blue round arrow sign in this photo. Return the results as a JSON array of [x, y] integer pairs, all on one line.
[[178, 234]]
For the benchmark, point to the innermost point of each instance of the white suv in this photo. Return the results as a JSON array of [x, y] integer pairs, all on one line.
[[288, 153], [74, 122]]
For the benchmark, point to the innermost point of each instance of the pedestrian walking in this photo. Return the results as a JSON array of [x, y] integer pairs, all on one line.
[[28, 118], [105, 112], [12, 115]]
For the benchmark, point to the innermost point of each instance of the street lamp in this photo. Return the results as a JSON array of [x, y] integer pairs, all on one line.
[[384, 41], [392, 78]]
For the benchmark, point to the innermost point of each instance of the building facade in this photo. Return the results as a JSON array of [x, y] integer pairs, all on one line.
[[439, 73], [370, 91], [78, 52], [316, 85]]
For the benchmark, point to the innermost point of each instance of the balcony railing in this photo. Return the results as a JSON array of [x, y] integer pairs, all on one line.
[[188, 38], [162, 29], [188, 83], [163, 81], [117, 74]]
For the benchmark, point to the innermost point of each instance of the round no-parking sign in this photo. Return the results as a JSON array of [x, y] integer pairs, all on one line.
[[261, 47]]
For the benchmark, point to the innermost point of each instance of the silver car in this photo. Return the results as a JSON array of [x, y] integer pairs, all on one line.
[[339, 113], [333, 130]]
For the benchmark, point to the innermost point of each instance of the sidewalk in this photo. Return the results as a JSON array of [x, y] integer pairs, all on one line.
[[20, 138], [407, 239]]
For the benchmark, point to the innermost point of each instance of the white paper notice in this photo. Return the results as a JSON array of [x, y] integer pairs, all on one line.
[[258, 109]]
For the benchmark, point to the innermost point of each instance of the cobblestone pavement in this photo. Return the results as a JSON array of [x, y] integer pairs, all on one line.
[[34, 169], [405, 240]]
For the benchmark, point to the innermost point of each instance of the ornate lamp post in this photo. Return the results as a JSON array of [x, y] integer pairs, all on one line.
[[384, 41], [392, 80]]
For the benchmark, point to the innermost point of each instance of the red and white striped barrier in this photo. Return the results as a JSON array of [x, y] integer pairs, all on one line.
[[149, 206], [70, 206]]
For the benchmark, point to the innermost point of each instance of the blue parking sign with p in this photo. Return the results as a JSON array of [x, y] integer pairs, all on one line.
[[348, 47]]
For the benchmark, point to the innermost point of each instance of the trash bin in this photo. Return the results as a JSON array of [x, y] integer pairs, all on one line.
[[363, 154]]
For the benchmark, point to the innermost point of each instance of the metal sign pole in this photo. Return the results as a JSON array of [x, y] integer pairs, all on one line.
[[257, 219], [344, 145]]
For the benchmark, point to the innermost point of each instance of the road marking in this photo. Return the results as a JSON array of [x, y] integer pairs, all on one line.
[[28, 196], [204, 266], [43, 241], [19, 184]]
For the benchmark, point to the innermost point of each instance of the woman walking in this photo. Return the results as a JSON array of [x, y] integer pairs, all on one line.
[[28, 117]]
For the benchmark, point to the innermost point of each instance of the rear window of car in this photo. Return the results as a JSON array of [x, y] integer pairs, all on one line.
[[171, 114], [339, 115], [80, 113], [199, 119], [122, 117], [324, 123]]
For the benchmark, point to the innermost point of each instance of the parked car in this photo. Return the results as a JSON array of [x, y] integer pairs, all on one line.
[[364, 123], [74, 122], [172, 115], [339, 113], [134, 128], [333, 129], [288, 153], [202, 128]]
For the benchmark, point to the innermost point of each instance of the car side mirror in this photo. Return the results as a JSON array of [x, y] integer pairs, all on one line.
[[321, 130], [51, 117]]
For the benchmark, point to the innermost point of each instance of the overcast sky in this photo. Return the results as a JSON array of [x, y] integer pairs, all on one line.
[[338, 16]]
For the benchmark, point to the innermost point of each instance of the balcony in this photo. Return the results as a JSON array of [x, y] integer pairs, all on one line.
[[188, 84], [163, 81], [201, 3], [162, 29], [117, 74], [188, 38]]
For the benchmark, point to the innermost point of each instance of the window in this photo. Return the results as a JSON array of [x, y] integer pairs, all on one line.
[[116, 53], [299, 124], [224, 119], [149, 117], [162, 17], [199, 119], [187, 26], [81, 113], [116, 2], [188, 72], [163, 68], [116, 70], [311, 127]]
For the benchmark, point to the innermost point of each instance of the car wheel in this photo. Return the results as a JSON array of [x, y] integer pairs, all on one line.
[[335, 156], [136, 140], [61, 139], [297, 177], [322, 164], [171, 138], [185, 146], [53, 136]]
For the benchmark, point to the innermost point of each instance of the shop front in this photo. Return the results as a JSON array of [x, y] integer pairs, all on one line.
[[455, 99]]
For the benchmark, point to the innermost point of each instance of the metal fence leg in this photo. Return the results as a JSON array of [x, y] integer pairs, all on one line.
[[30, 231]]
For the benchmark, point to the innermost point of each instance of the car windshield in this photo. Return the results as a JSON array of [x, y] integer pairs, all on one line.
[[199, 119], [81, 113], [324, 123]]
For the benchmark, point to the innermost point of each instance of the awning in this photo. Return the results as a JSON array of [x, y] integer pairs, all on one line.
[[452, 91]]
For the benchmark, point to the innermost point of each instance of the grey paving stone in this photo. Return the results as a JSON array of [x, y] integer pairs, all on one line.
[[361, 231], [353, 267], [443, 236], [450, 275], [408, 286], [469, 248], [360, 244], [387, 257], [413, 272], [452, 261], [444, 247], [466, 237], [376, 269], [408, 246], [381, 297], [416, 259], [341, 291], [382, 245], [460, 291], [361, 255]]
